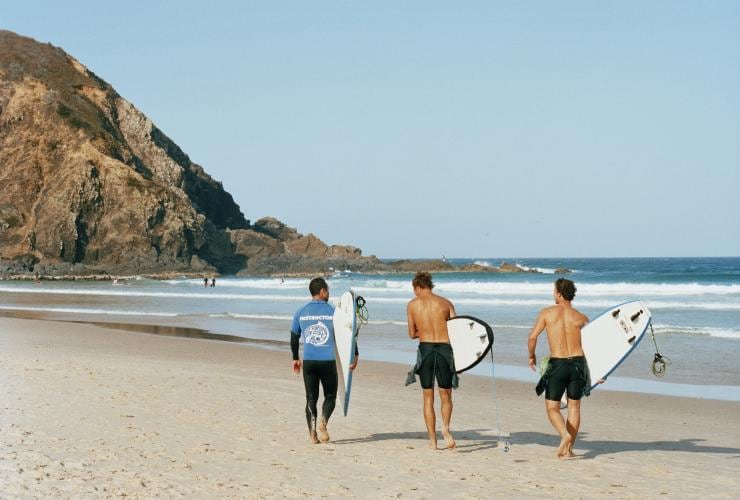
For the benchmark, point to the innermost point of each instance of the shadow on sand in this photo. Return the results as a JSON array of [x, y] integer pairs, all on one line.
[[588, 448], [467, 440], [475, 440]]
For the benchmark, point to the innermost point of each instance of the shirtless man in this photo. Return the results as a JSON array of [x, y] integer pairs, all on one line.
[[567, 370], [427, 318]]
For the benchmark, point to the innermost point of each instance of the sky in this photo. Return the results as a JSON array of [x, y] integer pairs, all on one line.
[[424, 128]]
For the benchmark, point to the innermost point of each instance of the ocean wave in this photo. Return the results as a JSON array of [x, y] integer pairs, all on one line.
[[277, 317], [258, 283], [79, 310], [132, 293], [599, 289], [727, 333], [527, 289], [483, 300]]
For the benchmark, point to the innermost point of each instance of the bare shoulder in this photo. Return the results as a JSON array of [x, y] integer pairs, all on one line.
[[549, 311]]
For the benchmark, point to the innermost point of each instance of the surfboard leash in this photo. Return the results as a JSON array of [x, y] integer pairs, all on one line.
[[362, 313], [660, 362], [507, 444]]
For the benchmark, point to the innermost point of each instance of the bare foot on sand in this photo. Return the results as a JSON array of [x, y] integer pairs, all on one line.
[[312, 437], [323, 433], [449, 441], [565, 445]]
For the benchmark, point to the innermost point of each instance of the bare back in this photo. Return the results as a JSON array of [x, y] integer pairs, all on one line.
[[563, 324], [427, 317]]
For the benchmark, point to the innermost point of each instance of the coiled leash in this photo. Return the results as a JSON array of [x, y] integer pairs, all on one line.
[[361, 312], [660, 362]]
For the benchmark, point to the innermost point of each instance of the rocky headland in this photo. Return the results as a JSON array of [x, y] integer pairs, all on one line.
[[93, 189]]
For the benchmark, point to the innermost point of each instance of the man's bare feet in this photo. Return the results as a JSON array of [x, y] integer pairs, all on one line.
[[449, 441], [323, 433], [312, 437], [565, 445]]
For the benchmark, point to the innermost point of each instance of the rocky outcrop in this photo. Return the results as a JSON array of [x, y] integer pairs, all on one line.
[[91, 184], [271, 247], [505, 267], [413, 266]]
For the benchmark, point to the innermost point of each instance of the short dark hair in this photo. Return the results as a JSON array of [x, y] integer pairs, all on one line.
[[422, 279], [316, 285], [566, 288]]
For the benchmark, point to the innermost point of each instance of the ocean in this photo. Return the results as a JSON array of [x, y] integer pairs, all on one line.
[[695, 304]]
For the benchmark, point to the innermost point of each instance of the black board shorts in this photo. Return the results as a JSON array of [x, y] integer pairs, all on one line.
[[566, 375], [435, 365]]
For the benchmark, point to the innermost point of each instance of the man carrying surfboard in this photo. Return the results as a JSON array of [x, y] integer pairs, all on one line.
[[567, 371], [314, 322], [427, 319]]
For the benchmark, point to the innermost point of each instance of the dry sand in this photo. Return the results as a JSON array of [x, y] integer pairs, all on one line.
[[88, 411]]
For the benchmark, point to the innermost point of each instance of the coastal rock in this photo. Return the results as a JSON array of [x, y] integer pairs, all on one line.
[[562, 270], [90, 184], [507, 267], [478, 268], [414, 266], [270, 247]]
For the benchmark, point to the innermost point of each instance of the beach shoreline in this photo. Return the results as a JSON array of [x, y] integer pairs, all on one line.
[[270, 334], [92, 410]]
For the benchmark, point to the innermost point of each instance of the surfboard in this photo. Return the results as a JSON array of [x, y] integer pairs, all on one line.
[[612, 336], [471, 339], [345, 336]]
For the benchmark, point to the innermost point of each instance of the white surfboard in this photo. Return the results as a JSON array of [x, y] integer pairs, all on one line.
[[471, 339], [611, 337], [345, 337]]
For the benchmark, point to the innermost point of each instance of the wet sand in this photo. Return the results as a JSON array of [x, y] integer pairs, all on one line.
[[95, 410]]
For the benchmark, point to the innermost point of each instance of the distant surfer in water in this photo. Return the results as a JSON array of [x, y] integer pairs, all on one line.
[[567, 371], [314, 322], [427, 318]]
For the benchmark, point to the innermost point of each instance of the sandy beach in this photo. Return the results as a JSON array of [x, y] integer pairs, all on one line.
[[90, 411]]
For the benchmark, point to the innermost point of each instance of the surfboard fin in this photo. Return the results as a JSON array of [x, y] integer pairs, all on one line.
[[635, 316], [615, 314]]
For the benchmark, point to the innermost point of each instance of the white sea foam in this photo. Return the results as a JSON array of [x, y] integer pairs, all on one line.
[[728, 333], [257, 283], [621, 289], [589, 289], [80, 310], [485, 287], [278, 317], [132, 293]]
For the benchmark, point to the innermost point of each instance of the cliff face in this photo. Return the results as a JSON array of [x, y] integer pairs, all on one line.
[[89, 182], [91, 186]]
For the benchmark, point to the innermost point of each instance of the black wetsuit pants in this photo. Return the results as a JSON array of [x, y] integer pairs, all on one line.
[[325, 373]]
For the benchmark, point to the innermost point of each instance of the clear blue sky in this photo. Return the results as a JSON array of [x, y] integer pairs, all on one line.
[[419, 128]]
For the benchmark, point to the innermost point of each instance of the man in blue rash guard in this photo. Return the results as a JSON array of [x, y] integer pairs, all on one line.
[[314, 323]]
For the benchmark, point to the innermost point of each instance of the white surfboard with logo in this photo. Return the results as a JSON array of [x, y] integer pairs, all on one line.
[[612, 336], [345, 337]]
